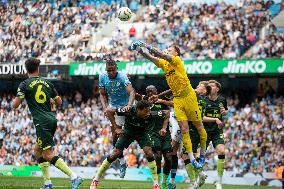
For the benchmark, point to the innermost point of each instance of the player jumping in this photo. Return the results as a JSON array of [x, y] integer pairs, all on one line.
[[39, 93], [121, 94], [139, 122], [185, 101]]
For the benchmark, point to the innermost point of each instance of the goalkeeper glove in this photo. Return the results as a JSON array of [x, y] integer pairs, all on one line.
[[142, 43], [149, 47], [134, 45]]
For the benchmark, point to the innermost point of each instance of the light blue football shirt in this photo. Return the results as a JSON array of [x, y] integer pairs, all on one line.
[[115, 88]]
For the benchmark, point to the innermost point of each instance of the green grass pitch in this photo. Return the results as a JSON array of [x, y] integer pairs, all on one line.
[[36, 182]]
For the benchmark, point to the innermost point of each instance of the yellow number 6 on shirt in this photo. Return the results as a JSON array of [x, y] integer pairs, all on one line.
[[40, 93]]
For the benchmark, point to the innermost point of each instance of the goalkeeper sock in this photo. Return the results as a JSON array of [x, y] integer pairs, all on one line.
[[105, 165], [187, 142], [153, 169], [62, 166], [122, 161], [220, 167], [44, 166], [203, 139]]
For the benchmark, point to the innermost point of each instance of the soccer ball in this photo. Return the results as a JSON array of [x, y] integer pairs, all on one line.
[[124, 14]]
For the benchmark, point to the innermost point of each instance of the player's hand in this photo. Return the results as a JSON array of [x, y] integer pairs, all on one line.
[[159, 101], [219, 123], [126, 108], [133, 46], [118, 131], [153, 98], [140, 43], [223, 111], [163, 132]]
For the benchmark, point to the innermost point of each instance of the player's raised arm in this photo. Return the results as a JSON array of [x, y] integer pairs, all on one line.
[[148, 56], [158, 53]]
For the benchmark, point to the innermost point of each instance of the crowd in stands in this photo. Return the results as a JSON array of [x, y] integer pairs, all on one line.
[[254, 135], [61, 31], [271, 46], [216, 31], [56, 31]]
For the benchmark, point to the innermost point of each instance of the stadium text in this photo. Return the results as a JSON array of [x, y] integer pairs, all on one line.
[[7, 69], [257, 66], [236, 66]]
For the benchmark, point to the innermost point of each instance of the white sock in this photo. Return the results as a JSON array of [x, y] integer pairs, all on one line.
[[219, 180], [122, 161], [191, 157], [73, 176], [156, 182], [96, 177], [202, 151], [47, 182]]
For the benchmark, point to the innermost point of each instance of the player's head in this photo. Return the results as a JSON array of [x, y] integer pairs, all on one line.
[[151, 90], [173, 50], [32, 65], [111, 68], [203, 88], [143, 109], [215, 86]]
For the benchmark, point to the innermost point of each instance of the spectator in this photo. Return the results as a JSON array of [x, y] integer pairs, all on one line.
[[271, 46], [49, 30], [215, 31], [132, 32]]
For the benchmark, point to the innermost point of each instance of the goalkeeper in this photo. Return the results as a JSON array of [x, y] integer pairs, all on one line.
[[185, 100]]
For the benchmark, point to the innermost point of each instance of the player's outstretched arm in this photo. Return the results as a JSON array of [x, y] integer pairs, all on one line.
[[156, 52], [148, 56], [167, 102], [165, 93]]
